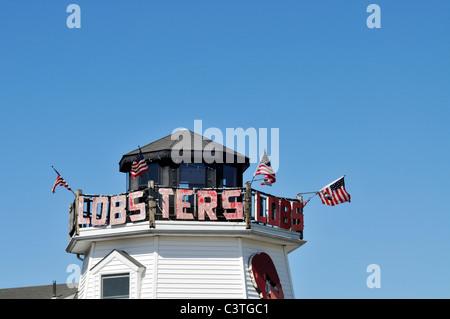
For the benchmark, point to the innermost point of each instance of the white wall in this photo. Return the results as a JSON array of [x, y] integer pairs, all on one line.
[[186, 267], [196, 267]]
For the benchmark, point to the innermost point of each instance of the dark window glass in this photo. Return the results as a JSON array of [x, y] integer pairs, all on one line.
[[151, 175], [192, 175], [229, 176], [116, 286]]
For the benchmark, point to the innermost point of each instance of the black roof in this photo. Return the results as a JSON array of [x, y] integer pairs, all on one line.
[[162, 148], [39, 292]]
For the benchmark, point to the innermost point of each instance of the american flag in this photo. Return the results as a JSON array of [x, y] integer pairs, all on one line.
[[60, 182], [334, 193], [265, 168], [138, 166]]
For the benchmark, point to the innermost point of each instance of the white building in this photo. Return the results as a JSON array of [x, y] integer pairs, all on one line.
[[193, 231]]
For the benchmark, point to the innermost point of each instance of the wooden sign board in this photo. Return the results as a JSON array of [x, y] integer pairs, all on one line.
[[188, 204]]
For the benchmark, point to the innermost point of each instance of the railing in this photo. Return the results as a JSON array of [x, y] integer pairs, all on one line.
[[168, 203]]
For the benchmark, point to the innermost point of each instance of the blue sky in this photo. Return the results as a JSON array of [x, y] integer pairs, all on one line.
[[369, 103]]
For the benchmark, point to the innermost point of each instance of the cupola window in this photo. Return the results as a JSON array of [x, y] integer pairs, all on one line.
[[192, 175]]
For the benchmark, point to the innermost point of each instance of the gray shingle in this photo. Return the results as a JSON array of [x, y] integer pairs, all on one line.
[[38, 292], [161, 149]]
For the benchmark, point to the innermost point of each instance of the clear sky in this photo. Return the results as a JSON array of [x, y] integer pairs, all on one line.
[[369, 103]]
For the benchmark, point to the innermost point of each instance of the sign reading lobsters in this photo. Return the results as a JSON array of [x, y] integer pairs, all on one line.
[[188, 204]]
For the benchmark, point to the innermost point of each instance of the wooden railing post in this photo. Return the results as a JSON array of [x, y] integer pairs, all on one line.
[[77, 195], [72, 222], [151, 202], [248, 205]]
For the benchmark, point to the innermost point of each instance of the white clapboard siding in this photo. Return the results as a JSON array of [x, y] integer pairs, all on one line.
[[196, 267], [82, 285], [183, 266], [140, 249], [278, 256]]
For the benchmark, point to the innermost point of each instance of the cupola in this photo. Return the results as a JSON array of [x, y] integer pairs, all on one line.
[[186, 159]]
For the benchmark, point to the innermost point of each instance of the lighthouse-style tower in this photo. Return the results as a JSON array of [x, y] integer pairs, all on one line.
[[189, 227]]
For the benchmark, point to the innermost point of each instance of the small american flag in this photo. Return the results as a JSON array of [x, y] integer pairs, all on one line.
[[334, 193], [265, 168], [139, 165], [60, 182]]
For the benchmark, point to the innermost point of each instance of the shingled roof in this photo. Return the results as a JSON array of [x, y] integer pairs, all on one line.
[[39, 292], [162, 148]]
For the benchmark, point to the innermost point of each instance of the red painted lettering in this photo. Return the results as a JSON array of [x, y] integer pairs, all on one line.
[[139, 206], [103, 202], [118, 213], [203, 206], [81, 219], [237, 206], [285, 214], [165, 192], [182, 204], [259, 209], [273, 209], [297, 216]]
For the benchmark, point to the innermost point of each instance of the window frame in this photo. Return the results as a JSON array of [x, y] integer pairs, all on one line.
[[226, 170], [116, 275], [190, 183]]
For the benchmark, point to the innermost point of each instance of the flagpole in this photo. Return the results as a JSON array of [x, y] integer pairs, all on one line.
[[317, 193], [309, 192], [55, 170], [252, 180], [60, 175]]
